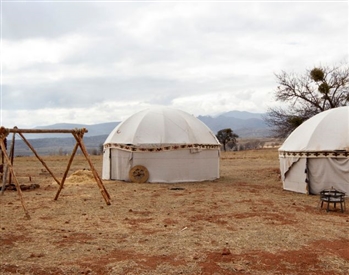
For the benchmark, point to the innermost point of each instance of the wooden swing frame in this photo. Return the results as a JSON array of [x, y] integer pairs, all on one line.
[[78, 134]]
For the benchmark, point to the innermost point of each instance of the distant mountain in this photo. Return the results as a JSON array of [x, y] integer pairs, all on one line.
[[93, 130], [243, 115], [58, 145], [46, 144], [244, 124]]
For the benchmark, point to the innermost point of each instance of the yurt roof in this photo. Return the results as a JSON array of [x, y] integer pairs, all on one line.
[[326, 131], [160, 126]]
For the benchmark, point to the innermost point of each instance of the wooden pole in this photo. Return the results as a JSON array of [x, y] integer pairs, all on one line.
[[39, 158], [3, 162], [19, 191], [78, 136], [4, 176], [12, 153], [66, 171], [42, 131]]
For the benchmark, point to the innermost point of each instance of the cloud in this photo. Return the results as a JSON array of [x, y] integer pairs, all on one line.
[[84, 61]]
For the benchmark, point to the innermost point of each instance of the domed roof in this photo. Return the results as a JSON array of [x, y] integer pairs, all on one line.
[[326, 131], [160, 126]]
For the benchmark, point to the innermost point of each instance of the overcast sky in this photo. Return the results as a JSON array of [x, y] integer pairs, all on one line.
[[94, 62]]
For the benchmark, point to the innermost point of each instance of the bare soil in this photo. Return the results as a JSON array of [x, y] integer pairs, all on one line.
[[242, 223]]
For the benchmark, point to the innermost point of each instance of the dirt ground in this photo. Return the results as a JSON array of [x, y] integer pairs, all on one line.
[[242, 223]]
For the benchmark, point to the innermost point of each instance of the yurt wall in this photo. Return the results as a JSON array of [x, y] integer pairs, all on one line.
[[171, 166]]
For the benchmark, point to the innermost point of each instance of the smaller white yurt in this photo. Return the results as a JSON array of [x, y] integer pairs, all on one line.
[[316, 154], [161, 144]]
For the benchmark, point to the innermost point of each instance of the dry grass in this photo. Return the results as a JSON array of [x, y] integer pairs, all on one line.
[[243, 223]]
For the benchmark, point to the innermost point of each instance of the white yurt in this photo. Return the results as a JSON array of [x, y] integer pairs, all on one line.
[[316, 154], [161, 144]]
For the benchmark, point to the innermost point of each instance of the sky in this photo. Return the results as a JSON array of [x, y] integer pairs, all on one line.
[[92, 62]]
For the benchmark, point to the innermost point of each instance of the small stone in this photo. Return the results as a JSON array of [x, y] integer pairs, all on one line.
[[195, 257], [239, 268], [226, 251]]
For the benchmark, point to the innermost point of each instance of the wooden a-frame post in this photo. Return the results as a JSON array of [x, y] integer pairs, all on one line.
[[4, 175], [78, 135], [3, 135]]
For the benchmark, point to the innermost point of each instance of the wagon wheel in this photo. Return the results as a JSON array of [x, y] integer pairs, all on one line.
[[138, 174]]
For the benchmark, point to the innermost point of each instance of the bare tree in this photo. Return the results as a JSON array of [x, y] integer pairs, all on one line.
[[319, 89]]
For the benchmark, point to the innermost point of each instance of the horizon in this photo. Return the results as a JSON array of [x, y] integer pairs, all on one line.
[[107, 122]]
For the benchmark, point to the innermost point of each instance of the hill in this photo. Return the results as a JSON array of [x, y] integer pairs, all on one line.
[[244, 124], [59, 146], [93, 129]]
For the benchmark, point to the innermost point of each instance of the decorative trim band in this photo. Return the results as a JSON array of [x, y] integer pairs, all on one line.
[[133, 148], [318, 154]]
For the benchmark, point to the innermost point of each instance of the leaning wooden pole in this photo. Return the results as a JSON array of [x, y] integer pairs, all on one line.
[[39, 158], [12, 154], [19, 191], [78, 136], [66, 171]]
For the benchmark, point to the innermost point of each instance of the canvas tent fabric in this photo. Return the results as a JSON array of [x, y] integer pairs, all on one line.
[[171, 144], [316, 155]]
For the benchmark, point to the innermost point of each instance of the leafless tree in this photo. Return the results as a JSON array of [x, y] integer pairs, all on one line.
[[317, 90]]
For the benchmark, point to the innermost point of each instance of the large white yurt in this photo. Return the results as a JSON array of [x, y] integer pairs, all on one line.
[[316, 154], [161, 144]]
